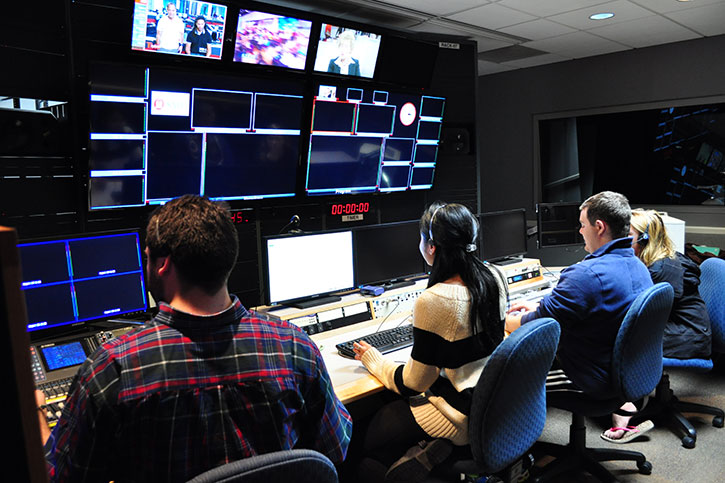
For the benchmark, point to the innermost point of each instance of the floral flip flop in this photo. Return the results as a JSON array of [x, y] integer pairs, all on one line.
[[630, 432]]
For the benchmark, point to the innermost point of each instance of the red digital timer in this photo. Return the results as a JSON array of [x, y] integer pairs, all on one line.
[[349, 208], [239, 217]]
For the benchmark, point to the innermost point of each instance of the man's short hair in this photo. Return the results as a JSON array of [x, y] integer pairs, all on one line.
[[200, 238], [612, 208]]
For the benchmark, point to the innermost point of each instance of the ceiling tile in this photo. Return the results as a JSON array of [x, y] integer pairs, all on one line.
[[539, 60], [485, 68], [437, 7], [666, 6], [645, 32], [622, 9], [537, 29], [544, 8], [576, 45], [491, 16], [708, 20]]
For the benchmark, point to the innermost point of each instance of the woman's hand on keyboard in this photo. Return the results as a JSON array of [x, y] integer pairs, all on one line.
[[360, 347]]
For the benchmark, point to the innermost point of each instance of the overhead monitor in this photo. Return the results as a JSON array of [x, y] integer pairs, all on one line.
[[193, 28], [306, 268], [365, 140], [177, 132], [75, 280], [387, 253], [558, 224], [346, 51], [502, 235], [274, 40]]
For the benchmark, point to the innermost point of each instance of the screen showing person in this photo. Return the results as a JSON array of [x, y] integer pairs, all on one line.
[[181, 28], [269, 39], [347, 51]]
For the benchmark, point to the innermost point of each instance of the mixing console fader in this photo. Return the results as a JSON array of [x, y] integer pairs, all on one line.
[[54, 365]]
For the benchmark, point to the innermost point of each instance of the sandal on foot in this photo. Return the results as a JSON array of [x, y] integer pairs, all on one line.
[[630, 432], [419, 460]]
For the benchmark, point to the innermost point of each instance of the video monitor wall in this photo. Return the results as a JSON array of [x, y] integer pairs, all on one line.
[[268, 39], [165, 133], [67, 281], [346, 51], [365, 140], [179, 27]]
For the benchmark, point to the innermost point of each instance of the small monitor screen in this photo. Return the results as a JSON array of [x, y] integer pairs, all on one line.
[[192, 28], [502, 234], [387, 253], [269, 39], [347, 51], [366, 140], [191, 132], [558, 224], [81, 279], [307, 265]]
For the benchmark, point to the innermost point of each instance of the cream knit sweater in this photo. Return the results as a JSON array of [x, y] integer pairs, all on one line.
[[440, 321]]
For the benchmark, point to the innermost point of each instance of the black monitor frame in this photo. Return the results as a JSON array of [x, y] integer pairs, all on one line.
[[508, 256], [571, 209], [80, 325]]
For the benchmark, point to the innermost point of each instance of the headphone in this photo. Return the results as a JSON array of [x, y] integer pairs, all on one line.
[[644, 237]]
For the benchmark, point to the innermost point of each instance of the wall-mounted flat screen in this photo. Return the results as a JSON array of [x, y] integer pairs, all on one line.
[[366, 140], [269, 39], [306, 266], [179, 27], [179, 132], [346, 51], [558, 224], [73, 280]]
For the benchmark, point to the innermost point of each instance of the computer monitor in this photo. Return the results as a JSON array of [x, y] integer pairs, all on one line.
[[271, 40], [558, 224], [196, 29], [387, 254], [366, 140], [74, 280], [502, 235], [347, 51], [169, 133], [302, 270]]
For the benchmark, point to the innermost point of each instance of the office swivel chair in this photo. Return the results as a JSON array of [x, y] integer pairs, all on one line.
[[298, 465], [508, 409], [636, 369], [665, 404]]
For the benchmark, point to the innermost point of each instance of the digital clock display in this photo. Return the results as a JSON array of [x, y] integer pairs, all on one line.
[[240, 217], [349, 208]]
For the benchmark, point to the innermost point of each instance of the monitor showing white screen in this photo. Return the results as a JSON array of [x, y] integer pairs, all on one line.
[[190, 28], [308, 265], [268, 39], [347, 51]]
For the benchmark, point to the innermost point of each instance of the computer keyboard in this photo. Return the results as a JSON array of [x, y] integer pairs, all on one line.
[[384, 341]]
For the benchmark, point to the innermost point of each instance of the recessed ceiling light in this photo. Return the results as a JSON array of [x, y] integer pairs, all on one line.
[[601, 16]]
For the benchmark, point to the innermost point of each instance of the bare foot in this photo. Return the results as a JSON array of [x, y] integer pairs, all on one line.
[[619, 421]]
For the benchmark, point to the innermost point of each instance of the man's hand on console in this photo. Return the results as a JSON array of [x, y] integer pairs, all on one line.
[[514, 314], [42, 410]]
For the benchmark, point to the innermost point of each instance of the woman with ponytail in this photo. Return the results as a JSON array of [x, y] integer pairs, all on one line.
[[457, 323]]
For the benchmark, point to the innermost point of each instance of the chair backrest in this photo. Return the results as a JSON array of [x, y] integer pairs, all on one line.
[[712, 290], [637, 355], [508, 410], [298, 465]]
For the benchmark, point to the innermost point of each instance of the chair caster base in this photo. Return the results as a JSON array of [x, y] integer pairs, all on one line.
[[688, 442], [717, 421], [645, 468]]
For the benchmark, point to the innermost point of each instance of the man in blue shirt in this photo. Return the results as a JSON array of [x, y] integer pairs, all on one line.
[[592, 296]]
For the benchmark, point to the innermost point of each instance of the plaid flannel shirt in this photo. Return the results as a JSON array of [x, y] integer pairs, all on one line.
[[188, 393]]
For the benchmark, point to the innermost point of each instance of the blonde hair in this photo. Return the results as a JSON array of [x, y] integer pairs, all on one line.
[[657, 244]]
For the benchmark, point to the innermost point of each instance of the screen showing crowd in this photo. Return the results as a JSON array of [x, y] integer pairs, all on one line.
[[269, 39], [179, 27], [347, 51]]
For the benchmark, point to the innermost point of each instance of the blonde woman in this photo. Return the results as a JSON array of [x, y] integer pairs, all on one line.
[[687, 332], [344, 63]]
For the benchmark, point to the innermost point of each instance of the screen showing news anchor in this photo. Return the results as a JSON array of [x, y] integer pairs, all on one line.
[[269, 39], [347, 51], [181, 27]]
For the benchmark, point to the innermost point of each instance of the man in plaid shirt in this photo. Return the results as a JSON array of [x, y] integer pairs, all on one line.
[[204, 383]]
